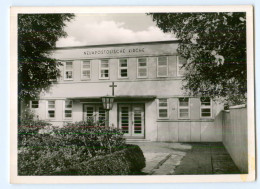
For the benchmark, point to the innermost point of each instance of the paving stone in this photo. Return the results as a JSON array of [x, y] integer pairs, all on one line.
[[152, 160], [168, 167], [187, 159]]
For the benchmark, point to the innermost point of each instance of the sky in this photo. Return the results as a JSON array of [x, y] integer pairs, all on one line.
[[95, 29]]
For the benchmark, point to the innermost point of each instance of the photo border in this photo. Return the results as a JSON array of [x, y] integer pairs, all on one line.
[[15, 179]]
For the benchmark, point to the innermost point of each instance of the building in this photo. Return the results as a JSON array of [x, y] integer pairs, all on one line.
[[149, 103]]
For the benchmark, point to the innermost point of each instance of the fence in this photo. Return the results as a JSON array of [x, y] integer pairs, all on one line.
[[234, 128]]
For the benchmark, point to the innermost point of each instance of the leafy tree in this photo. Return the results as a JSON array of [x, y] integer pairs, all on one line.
[[37, 35], [215, 46]]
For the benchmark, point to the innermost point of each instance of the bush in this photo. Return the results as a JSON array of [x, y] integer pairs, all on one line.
[[128, 161], [47, 160], [77, 149], [98, 140], [28, 128]]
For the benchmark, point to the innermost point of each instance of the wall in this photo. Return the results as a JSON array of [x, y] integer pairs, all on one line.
[[235, 136], [195, 129]]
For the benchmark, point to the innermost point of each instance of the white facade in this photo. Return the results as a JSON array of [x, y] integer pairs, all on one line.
[[149, 103]]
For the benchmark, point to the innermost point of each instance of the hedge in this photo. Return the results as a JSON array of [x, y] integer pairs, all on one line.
[[128, 161], [76, 149]]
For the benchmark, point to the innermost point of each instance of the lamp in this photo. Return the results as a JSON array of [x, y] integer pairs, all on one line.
[[108, 102], [107, 105]]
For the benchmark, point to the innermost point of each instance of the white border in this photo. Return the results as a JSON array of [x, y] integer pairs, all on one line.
[[132, 179]]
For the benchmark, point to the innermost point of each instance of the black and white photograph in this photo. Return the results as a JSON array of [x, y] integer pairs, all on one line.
[[135, 93]]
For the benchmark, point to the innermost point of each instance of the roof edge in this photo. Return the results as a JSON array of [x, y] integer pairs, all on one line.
[[118, 44]]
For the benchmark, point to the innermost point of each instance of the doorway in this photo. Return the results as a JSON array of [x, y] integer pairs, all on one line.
[[131, 119]]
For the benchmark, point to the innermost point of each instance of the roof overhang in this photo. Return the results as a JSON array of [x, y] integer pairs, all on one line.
[[117, 98]]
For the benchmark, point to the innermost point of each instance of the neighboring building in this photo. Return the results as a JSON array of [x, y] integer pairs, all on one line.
[[149, 103]]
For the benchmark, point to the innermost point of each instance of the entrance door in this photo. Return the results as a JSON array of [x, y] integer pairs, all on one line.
[[131, 120]]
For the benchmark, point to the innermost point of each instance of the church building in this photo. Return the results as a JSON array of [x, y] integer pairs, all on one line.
[[145, 81]]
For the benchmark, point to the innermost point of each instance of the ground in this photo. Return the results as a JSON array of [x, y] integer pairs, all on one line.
[[186, 159]]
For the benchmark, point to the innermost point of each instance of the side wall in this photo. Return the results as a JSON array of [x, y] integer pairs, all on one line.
[[194, 129], [235, 136]]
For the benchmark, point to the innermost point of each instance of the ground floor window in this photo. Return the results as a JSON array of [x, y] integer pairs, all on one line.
[[184, 108], [51, 109], [67, 109], [35, 104], [163, 108], [205, 107], [94, 113]]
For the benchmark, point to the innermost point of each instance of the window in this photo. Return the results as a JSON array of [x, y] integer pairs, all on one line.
[[180, 62], [51, 109], [205, 107], [67, 109], [101, 116], [162, 66], [85, 70], [122, 68], [163, 108], [142, 68], [68, 73], [104, 69], [95, 113], [34, 104], [184, 108]]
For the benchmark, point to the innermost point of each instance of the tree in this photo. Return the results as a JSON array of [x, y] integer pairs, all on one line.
[[37, 35], [215, 46]]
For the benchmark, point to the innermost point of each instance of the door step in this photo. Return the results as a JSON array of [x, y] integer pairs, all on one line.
[[136, 140]]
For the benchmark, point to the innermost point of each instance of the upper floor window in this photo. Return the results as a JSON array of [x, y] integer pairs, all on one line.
[[122, 68], [51, 109], [163, 108], [205, 107], [104, 69], [162, 66], [184, 108], [142, 69], [67, 109], [34, 104], [68, 72], [180, 62], [85, 70]]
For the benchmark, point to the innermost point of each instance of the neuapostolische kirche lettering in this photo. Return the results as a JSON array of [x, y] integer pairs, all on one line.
[[113, 51]]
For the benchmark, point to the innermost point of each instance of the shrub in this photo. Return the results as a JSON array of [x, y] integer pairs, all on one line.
[[28, 128], [46, 160], [98, 140], [48, 150], [128, 161]]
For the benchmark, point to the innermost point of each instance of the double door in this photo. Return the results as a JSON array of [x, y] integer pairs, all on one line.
[[131, 120]]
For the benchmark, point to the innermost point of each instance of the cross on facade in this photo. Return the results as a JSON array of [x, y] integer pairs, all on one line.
[[113, 88]]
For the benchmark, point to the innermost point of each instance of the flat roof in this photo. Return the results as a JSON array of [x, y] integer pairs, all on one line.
[[120, 44]]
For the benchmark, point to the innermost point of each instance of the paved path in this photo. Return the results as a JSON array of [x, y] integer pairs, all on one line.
[[187, 159]]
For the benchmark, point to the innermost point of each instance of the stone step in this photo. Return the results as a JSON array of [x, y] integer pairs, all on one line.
[[136, 140]]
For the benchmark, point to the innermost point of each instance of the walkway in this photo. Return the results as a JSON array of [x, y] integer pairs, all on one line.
[[187, 159]]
